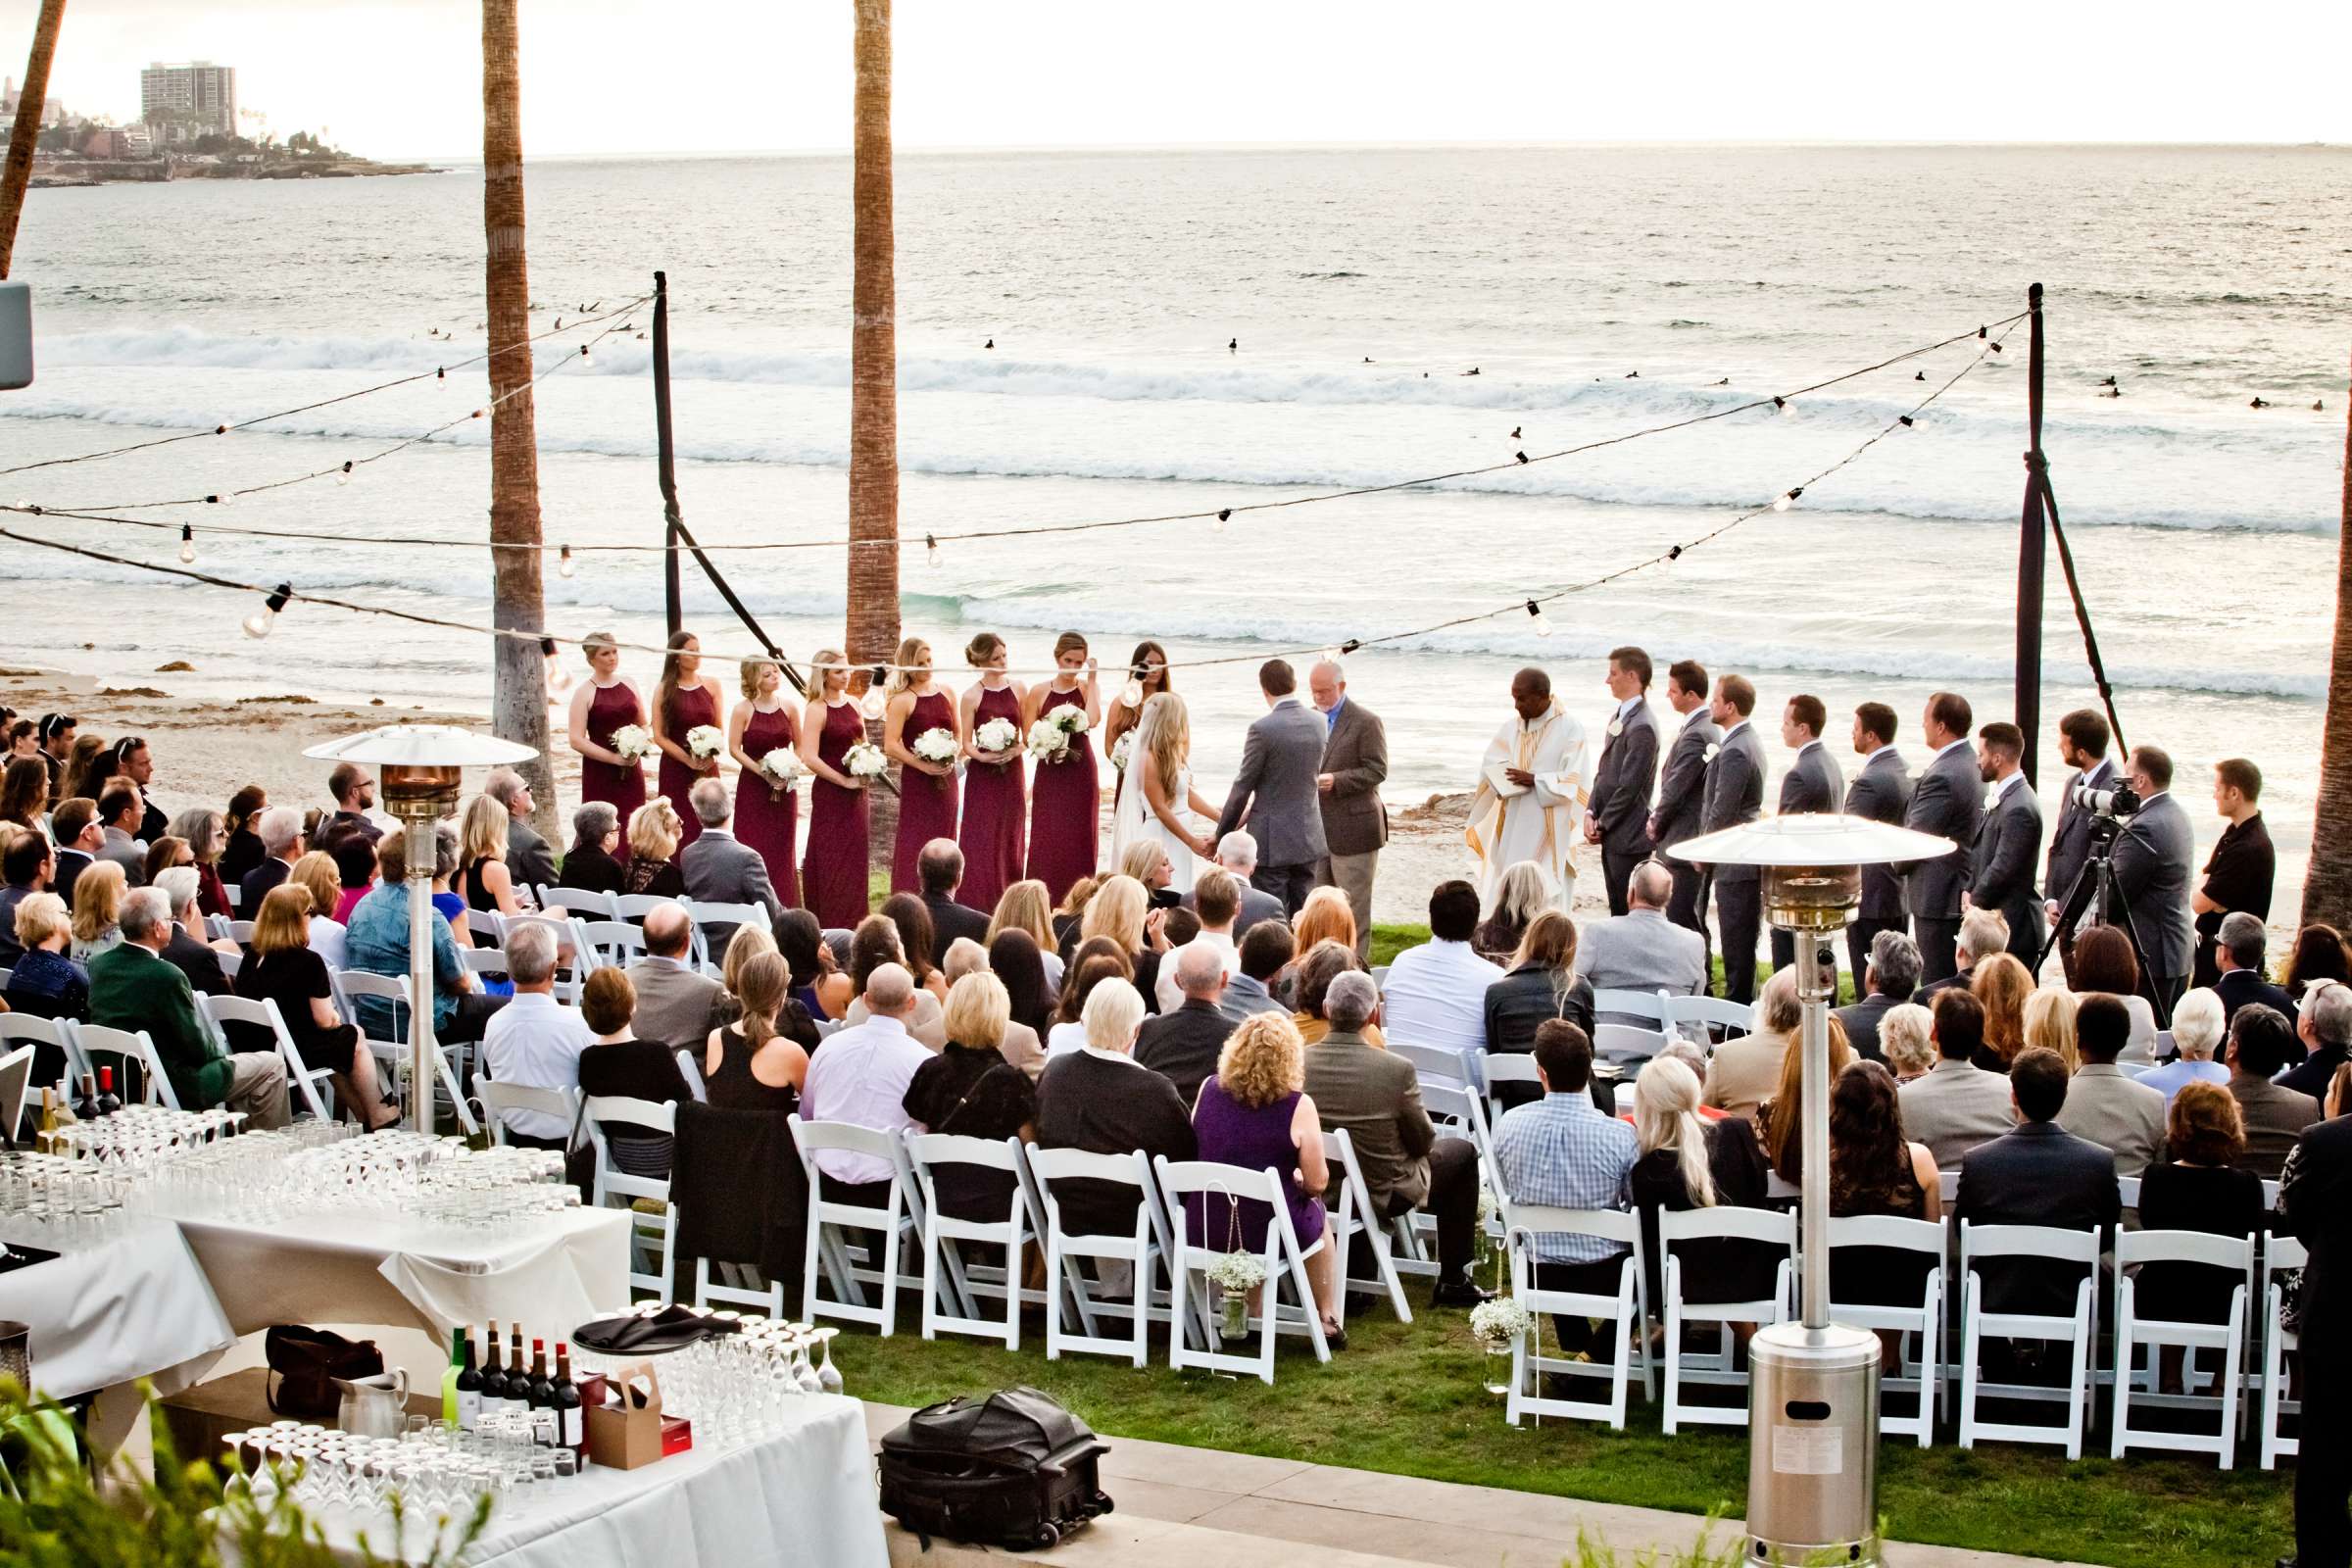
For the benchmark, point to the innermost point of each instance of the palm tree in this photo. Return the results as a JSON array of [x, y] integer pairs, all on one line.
[[519, 699], [873, 570], [2328, 886], [17, 174]]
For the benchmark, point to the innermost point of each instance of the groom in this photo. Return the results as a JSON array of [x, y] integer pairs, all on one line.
[[1275, 793]]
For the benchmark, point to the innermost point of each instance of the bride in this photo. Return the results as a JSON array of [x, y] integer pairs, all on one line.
[[1159, 761]]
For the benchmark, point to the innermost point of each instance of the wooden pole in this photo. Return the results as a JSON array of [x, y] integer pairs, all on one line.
[[16, 175], [666, 462], [2031, 545]]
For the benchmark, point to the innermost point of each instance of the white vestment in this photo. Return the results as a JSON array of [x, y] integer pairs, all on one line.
[[1510, 822]]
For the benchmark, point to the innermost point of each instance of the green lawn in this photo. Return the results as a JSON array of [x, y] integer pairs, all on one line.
[[1408, 1400]]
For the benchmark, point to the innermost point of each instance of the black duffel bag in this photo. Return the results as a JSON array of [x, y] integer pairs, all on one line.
[[1013, 1470]]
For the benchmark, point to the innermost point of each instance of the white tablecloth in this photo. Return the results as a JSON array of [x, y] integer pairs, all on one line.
[[106, 1313]]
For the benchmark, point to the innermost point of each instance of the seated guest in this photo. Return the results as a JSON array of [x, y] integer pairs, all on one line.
[[378, 940], [280, 829], [2324, 1023], [1217, 903], [1907, 1040], [816, 984], [354, 856], [75, 830], [1325, 916], [1256, 1113], [26, 865], [791, 1020], [534, 1041], [241, 842], [354, 789], [98, 895], [589, 863], [720, 867], [199, 827], [655, 832], [748, 1064], [1236, 857], [132, 987], [2198, 1034], [1641, 949], [1541, 983], [1779, 1123], [527, 857], [2197, 1189], [163, 854], [618, 1065], [2001, 983], [484, 878], [1691, 1056], [285, 969], [1072, 914], [451, 906], [1266, 949], [940, 867], [1149, 863], [1311, 985], [1563, 1152], [1525, 890], [1688, 1162], [1745, 1068], [1096, 959], [963, 956], [2260, 1041], [45, 983], [2050, 1023], [2103, 961], [2037, 1174], [919, 941], [1097, 1099], [2319, 952], [1983, 933], [675, 1004], [877, 943], [1025, 907], [971, 1091], [187, 950], [862, 1077], [1013, 958], [316, 874], [23, 792], [1874, 1169], [1183, 1042], [1436, 994], [119, 810], [1888, 983], [1375, 1096], [1957, 1105], [2238, 951], [2103, 1103], [1120, 909]]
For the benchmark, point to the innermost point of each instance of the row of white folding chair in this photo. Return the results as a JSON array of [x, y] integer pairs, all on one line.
[[222, 928], [1625, 1310], [497, 1098], [648, 1232], [389, 1042], [16, 1082], [703, 916], [2281, 1256], [86, 1047], [303, 1083], [2133, 1332]]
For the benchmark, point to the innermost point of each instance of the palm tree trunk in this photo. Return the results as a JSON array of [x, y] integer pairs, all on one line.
[[874, 569], [518, 699], [2328, 886], [26, 133]]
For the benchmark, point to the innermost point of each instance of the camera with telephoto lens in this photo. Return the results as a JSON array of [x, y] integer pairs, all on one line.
[[2110, 809]]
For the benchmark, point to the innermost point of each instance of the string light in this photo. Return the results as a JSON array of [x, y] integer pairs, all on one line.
[[343, 475], [1217, 524], [1542, 621], [564, 563], [264, 619], [931, 549], [1780, 404], [187, 545], [226, 497], [1131, 695], [1786, 499], [584, 356], [221, 429]]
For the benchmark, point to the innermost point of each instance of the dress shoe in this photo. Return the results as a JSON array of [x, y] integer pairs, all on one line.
[[1459, 1293]]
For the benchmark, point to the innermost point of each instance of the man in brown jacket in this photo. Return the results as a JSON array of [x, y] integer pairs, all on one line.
[[1355, 760]]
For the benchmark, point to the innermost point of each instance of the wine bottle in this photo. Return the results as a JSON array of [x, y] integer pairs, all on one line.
[[470, 1385], [449, 1378], [108, 1101], [570, 1415], [494, 1376], [542, 1394], [518, 1374], [44, 1136], [86, 1106]]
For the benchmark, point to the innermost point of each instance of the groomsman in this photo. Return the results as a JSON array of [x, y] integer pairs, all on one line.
[[1812, 784], [1356, 824], [2082, 746], [1617, 819], [1943, 802], [1880, 791], [1683, 787], [2009, 842], [2155, 859], [1735, 795], [1276, 791]]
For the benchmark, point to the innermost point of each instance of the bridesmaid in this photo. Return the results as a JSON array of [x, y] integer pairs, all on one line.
[[833, 877], [1065, 812], [1148, 665], [685, 699], [996, 797], [605, 704], [926, 790], [768, 815]]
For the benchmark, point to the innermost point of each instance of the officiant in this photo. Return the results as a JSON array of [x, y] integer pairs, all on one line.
[[1531, 790]]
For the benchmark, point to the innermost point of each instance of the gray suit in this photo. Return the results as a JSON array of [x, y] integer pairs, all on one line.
[[1735, 795], [529, 861], [1954, 1108], [2126, 1118], [1813, 785], [1641, 950], [1620, 802], [1880, 791], [1682, 801], [675, 1005], [720, 868], [2008, 846], [1946, 801], [2155, 859], [1275, 790], [128, 854]]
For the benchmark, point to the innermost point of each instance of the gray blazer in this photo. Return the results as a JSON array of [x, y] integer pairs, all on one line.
[[1276, 785], [2008, 846], [131, 856], [1621, 785], [1734, 793], [1880, 791], [1683, 787], [529, 861], [2154, 861], [1954, 1108], [1356, 754], [1643, 951], [2070, 845], [720, 868], [674, 1004], [1813, 782], [1947, 800], [2126, 1118]]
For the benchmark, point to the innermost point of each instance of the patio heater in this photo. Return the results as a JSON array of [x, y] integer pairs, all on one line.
[[418, 770], [1813, 1386]]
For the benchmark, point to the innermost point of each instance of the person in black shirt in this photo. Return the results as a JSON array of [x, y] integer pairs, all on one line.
[[284, 970], [971, 1091], [2243, 865]]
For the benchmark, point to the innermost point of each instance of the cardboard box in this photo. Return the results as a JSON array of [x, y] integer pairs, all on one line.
[[633, 1431]]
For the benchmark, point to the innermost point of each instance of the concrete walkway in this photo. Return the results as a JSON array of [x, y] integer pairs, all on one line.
[[1238, 1510]]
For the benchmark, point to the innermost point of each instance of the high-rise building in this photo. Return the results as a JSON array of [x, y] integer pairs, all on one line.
[[197, 89]]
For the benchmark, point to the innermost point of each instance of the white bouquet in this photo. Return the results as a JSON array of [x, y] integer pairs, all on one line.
[[864, 760], [936, 745], [1498, 1323], [1071, 718], [1121, 749], [997, 737], [634, 742], [1049, 741], [705, 742], [782, 767]]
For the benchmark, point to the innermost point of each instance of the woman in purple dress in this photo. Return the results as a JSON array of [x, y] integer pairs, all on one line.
[[686, 700], [996, 793], [1066, 802], [927, 791], [608, 702], [833, 876], [767, 813], [1255, 1114]]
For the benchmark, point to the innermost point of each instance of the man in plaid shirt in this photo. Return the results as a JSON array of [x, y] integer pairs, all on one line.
[[1564, 1151]]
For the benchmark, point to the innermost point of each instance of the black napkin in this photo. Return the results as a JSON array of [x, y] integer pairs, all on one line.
[[673, 1328]]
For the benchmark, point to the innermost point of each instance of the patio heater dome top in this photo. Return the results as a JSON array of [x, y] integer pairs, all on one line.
[[1812, 839], [421, 745]]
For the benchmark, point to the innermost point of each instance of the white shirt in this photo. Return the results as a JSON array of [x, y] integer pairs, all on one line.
[[535, 1041], [1171, 995], [1733, 730], [861, 1077], [1435, 995], [1948, 746], [326, 940], [1064, 1037]]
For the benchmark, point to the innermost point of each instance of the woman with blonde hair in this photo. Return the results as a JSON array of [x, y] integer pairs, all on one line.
[[1325, 916], [1160, 759], [1688, 1162], [316, 874], [1121, 911], [768, 809], [654, 838], [2002, 984], [928, 792], [2050, 1023], [286, 969], [97, 906], [1025, 906], [1907, 1040], [1525, 891], [685, 699], [833, 870], [751, 1065], [1149, 863], [1255, 1113], [608, 701], [483, 880], [792, 1018], [970, 1089]]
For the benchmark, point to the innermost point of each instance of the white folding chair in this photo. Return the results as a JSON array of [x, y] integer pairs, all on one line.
[[827, 1252], [768, 1299], [1380, 978], [1508, 1067], [1693, 1017], [579, 903], [230, 963], [615, 942], [1435, 1061], [1719, 1368], [486, 925], [388, 1039], [2132, 1331], [215, 928], [132, 1046], [710, 917], [1625, 1041], [16, 1082], [2270, 1197], [1947, 1188], [1647, 1005], [1352, 1221], [23, 1029], [483, 961], [649, 1234], [940, 1232], [240, 932], [1923, 1373], [218, 1012], [2281, 1256], [1462, 1113], [637, 905], [690, 1067], [1626, 1308], [2126, 1190], [2032, 1244], [236, 896], [498, 1099], [1218, 1187], [1142, 1250]]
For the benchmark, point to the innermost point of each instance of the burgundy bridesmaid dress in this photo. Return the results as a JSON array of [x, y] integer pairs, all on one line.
[[689, 707], [769, 818], [619, 785], [1065, 810], [995, 813], [833, 877], [927, 804]]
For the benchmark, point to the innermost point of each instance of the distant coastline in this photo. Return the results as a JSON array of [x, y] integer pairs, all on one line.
[[73, 174]]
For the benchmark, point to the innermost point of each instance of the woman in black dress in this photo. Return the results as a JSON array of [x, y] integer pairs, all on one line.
[[1687, 1163], [748, 1065], [621, 1066], [2196, 1190], [284, 970], [971, 1091], [244, 849]]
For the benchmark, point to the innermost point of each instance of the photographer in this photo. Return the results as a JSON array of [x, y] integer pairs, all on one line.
[[2154, 857], [2082, 747], [2239, 873]]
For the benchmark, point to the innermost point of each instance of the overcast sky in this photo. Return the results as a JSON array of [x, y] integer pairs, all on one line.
[[403, 76]]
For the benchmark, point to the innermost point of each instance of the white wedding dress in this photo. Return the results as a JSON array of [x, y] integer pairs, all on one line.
[[1134, 823]]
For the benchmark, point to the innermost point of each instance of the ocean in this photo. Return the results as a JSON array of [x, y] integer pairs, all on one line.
[[1597, 290]]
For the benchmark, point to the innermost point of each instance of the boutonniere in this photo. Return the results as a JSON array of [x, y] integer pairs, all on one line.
[[1711, 751], [1616, 727]]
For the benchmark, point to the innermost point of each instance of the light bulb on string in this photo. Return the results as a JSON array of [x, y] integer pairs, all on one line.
[[1786, 499], [1329, 655], [931, 552], [1217, 523], [564, 563], [223, 429], [559, 679], [585, 358], [344, 474], [264, 619], [187, 545], [1131, 695], [876, 701], [226, 497], [1542, 621], [478, 412]]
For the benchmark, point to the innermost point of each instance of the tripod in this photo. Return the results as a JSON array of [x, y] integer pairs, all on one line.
[[2095, 889]]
